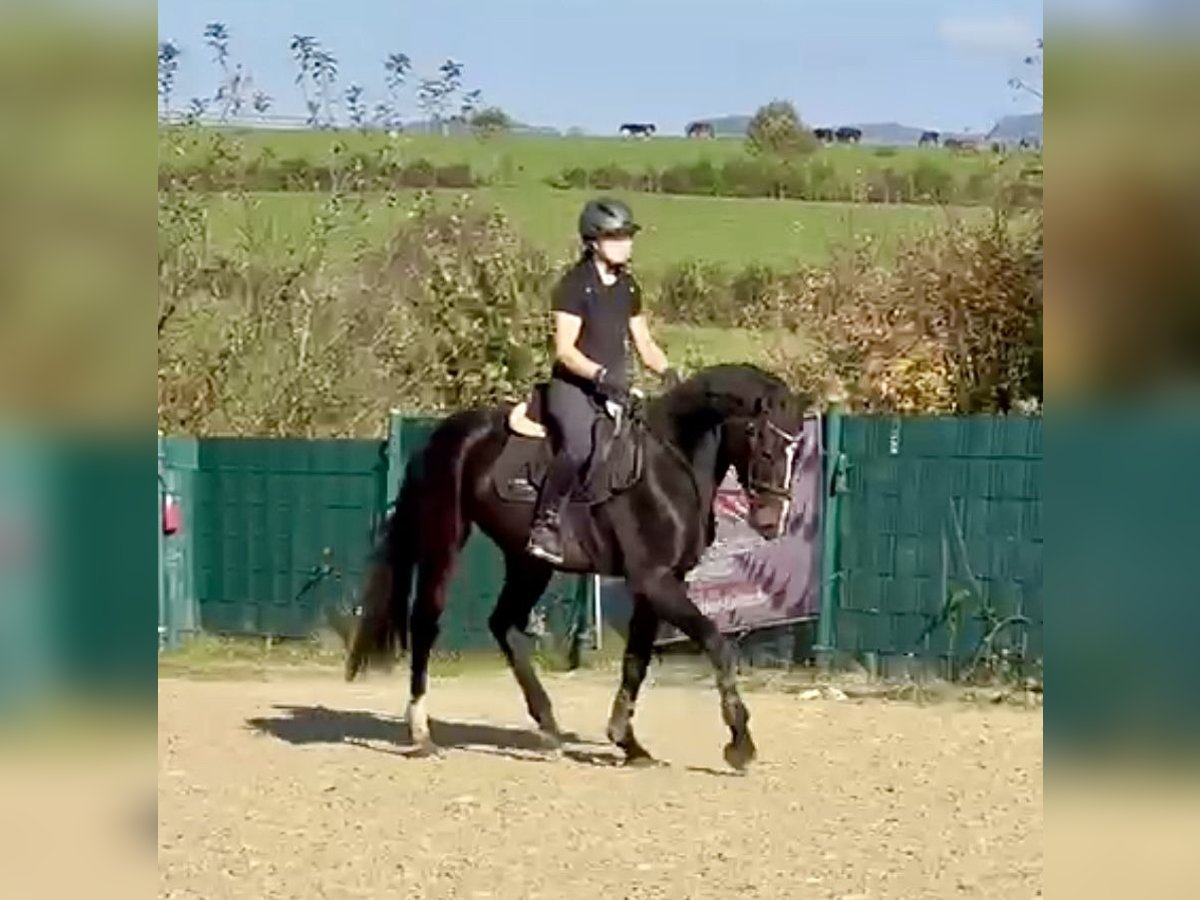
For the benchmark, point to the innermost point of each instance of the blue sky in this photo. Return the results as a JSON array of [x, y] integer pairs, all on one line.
[[596, 63]]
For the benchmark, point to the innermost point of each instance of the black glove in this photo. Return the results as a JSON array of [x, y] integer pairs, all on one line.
[[670, 378], [611, 389]]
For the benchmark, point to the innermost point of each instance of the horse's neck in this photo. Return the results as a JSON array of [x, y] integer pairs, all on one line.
[[698, 442]]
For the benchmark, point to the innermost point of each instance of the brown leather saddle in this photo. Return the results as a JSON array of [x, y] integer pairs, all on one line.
[[618, 448]]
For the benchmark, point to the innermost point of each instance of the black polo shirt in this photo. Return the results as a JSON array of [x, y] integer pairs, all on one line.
[[605, 311]]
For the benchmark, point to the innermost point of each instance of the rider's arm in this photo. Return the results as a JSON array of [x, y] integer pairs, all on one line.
[[647, 349], [566, 336]]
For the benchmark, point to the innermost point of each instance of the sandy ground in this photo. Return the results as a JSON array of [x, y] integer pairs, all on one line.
[[303, 788]]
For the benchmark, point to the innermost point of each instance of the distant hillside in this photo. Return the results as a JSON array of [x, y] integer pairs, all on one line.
[[1013, 128], [728, 126], [873, 133], [425, 127], [891, 133]]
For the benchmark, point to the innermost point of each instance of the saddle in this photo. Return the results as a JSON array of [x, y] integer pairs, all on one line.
[[618, 446]]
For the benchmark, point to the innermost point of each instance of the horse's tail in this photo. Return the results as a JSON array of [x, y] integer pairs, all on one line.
[[383, 622]]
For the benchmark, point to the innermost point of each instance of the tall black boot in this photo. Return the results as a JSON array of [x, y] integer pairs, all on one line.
[[545, 536]]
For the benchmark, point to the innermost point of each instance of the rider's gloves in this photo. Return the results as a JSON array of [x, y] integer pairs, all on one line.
[[613, 390]]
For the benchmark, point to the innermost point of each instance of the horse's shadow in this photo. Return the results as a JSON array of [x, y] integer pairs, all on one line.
[[300, 725]]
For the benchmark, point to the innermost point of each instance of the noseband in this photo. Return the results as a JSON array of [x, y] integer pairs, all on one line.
[[791, 442]]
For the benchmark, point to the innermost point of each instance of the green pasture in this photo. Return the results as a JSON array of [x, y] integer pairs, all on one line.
[[727, 232], [517, 160]]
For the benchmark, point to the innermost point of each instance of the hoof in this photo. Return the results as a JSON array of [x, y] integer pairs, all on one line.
[[551, 739], [638, 756], [739, 755], [426, 750], [641, 761]]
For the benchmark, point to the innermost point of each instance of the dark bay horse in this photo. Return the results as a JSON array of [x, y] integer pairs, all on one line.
[[652, 532]]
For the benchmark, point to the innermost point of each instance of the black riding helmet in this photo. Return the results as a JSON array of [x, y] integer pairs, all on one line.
[[605, 217]]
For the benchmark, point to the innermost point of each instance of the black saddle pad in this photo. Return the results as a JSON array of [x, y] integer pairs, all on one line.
[[615, 465]]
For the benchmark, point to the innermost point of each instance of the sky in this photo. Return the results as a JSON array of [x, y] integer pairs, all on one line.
[[593, 64]]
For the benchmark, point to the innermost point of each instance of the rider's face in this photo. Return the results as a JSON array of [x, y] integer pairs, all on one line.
[[616, 250]]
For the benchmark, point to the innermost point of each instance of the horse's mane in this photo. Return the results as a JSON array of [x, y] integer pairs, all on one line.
[[710, 395], [722, 386]]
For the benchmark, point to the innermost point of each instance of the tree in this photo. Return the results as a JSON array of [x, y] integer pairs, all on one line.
[[228, 95], [776, 130], [1031, 84], [304, 49], [396, 68], [435, 94], [355, 107], [168, 67], [324, 74], [471, 101], [490, 121]]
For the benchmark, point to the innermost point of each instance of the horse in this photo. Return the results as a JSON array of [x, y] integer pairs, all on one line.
[[638, 129], [649, 525]]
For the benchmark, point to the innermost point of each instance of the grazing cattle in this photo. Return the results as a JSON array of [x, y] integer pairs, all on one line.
[[824, 135], [1030, 143], [701, 130], [963, 145], [638, 129], [929, 139], [848, 135]]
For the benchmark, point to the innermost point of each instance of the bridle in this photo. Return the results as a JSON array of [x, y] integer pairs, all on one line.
[[760, 486]]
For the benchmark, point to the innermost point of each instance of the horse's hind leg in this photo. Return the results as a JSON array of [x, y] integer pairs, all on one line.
[[643, 627], [524, 581], [433, 577]]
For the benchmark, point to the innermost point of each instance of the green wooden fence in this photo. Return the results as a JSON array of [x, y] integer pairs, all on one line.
[[933, 534], [276, 530], [934, 538]]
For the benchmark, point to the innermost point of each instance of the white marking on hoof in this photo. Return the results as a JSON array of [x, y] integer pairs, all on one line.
[[418, 722]]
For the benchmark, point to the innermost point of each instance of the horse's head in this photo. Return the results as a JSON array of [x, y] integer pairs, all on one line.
[[759, 422], [762, 448]]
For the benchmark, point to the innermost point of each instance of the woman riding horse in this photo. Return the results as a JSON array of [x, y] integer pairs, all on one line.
[[596, 304], [652, 531]]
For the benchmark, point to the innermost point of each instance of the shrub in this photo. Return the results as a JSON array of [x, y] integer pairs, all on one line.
[[450, 314], [420, 173], [819, 179], [455, 176], [953, 326], [931, 182], [776, 130], [610, 178], [695, 293], [576, 177]]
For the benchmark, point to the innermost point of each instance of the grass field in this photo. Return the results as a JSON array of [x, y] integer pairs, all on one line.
[[512, 160], [731, 233]]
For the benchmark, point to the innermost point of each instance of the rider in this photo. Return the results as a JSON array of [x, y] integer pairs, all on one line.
[[595, 305]]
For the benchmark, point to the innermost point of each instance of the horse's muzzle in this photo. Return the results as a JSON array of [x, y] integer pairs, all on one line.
[[765, 517]]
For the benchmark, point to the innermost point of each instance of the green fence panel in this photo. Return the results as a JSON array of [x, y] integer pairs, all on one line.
[[282, 528], [929, 508], [565, 608]]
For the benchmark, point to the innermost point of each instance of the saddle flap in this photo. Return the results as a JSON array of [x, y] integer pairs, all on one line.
[[615, 465]]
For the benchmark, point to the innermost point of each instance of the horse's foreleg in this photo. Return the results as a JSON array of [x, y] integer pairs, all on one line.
[[643, 627], [668, 596], [525, 580]]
